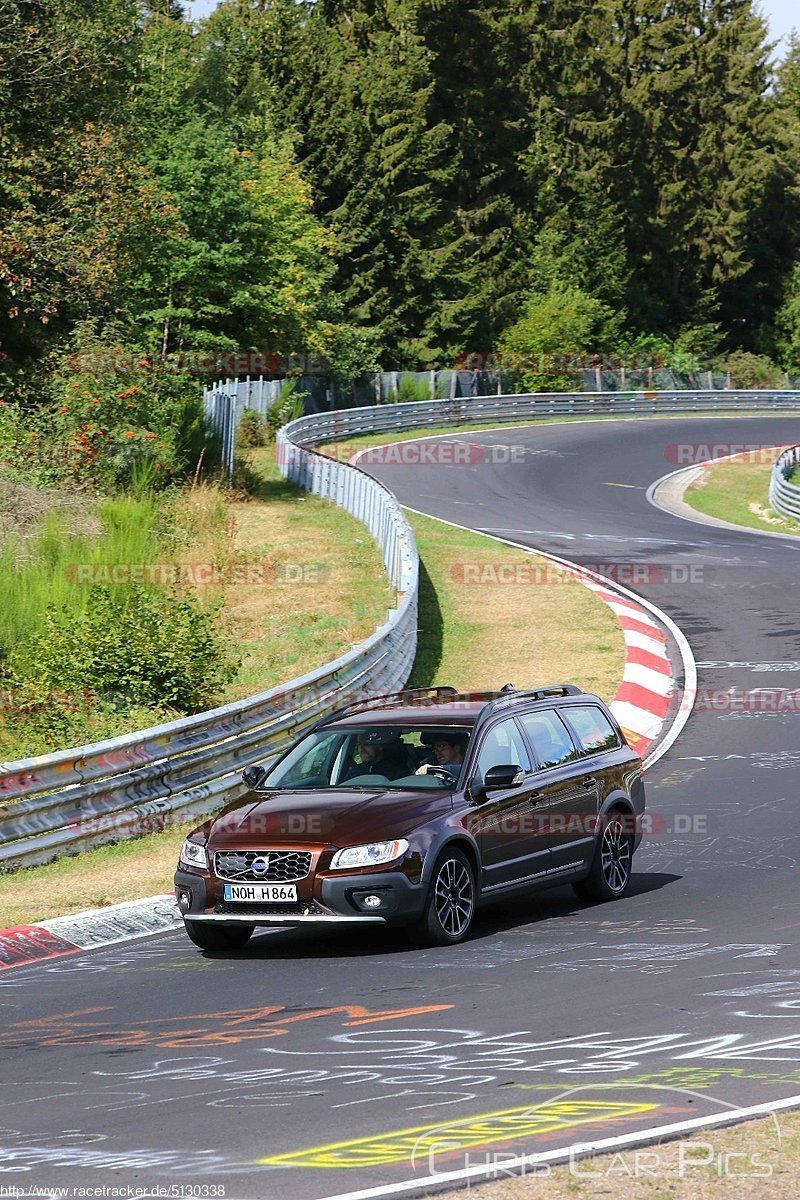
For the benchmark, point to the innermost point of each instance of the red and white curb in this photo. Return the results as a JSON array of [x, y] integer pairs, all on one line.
[[23, 945], [642, 699]]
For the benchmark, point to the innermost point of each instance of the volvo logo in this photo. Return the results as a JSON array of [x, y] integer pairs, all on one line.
[[260, 866]]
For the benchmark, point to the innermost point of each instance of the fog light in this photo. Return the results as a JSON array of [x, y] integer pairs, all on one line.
[[184, 901], [372, 901]]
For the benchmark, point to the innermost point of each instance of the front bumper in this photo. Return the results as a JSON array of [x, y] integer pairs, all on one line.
[[341, 900]]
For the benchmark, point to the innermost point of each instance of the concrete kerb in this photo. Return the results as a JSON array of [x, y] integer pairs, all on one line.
[[667, 495]]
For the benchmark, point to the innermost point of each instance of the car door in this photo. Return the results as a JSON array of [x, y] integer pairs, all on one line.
[[510, 823], [570, 793], [599, 744]]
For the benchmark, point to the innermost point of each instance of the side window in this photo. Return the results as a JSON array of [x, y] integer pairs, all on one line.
[[594, 730], [503, 745], [552, 744]]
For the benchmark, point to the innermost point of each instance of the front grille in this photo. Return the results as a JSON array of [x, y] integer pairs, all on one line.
[[301, 909], [284, 866]]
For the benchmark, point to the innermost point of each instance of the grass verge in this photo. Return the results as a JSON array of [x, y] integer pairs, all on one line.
[[326, 590], [472, 635], [491, 614], [754, 1159], [737, 491]]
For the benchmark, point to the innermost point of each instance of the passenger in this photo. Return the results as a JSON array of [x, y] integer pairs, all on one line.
[[382, 753], [448, 752]]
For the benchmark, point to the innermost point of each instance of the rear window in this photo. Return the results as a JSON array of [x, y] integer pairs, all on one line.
[[551, 742], [592, 727]]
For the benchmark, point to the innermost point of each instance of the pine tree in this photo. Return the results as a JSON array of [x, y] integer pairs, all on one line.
[[696, 123], [377, 160]]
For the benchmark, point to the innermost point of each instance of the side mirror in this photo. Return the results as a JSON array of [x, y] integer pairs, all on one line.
[[504, 776], [253, 777]]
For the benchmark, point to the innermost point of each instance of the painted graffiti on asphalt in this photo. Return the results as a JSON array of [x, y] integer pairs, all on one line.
[[98, 1027]]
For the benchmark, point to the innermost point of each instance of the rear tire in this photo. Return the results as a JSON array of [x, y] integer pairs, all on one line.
[[218, 937], [610, 874], [450, 907]]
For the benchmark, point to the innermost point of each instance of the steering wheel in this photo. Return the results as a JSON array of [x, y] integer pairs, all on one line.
[[441, 773]]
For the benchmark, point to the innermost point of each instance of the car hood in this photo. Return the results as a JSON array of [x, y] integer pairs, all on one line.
[[346, 816]]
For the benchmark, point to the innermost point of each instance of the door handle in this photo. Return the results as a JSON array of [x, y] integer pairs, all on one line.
[[589, 781]]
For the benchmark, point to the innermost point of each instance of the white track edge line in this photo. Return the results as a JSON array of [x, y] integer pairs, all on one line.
[[580, 1149]]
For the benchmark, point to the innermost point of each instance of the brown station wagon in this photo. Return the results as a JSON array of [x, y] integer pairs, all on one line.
[[412, 809]]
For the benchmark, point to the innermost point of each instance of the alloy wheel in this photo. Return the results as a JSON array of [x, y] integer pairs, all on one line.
[[616, 856], [454, 897]]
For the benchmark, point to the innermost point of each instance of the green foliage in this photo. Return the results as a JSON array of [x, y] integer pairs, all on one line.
[[695, 347], [120, 420], [288, 407], [389, 180], [72, 193], [149, 647], [564, 321], [788, 324], [252, 429], [63, 630], [52, 542], [751, 370], [409, 389], [350, 351]]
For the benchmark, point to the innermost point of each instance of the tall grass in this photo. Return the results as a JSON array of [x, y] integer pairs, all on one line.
[[41, 570]]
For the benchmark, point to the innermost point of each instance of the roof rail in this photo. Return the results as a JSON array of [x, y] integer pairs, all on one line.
[[557, 689], [508, 694]]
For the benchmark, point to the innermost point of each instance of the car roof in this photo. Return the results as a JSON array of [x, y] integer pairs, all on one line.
[[464, 712], [455, 708]]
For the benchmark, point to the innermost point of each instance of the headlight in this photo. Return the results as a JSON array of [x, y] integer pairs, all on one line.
[[193, 854], [371, 855]]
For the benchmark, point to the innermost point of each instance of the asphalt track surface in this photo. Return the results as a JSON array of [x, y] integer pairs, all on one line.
[[309, 1066]]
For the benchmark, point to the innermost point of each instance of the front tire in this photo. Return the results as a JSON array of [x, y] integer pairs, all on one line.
[[610, 874], [218, 937], [450, 907]]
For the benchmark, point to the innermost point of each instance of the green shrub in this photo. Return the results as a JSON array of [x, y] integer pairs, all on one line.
[[50, 536], [252, 430], [563, 322], [410, 388], [26, 453], [142, 647], [114, 417], [751, 370], [289, 405]]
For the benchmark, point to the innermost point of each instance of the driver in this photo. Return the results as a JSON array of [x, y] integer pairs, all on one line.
[[448, 752]]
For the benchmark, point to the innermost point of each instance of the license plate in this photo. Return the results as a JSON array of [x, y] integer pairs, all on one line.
[[261, 893]]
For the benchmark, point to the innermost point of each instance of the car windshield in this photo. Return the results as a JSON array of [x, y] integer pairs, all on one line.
[[374, 756]]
